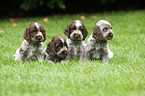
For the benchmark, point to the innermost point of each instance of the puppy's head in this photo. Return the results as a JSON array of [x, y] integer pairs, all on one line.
[[35, 32], [57, 48], [103, 31], [76, 31]]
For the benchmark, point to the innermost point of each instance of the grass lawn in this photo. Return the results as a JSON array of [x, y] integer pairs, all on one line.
[[123, 76]]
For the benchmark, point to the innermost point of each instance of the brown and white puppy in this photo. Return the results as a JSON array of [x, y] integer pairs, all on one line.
[[76, 33], [97, 47], [56, 50], [32, 46]]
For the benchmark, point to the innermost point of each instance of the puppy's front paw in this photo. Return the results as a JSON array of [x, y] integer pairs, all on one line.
[[63, 62], [50, 61], [105, 61]]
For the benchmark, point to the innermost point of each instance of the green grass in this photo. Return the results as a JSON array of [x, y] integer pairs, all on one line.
[[123, 76]]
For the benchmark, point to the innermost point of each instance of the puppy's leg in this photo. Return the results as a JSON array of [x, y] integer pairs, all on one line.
[[39, 53], [70, 55], [82, 57], [105, 57], [40, 57], [23, 54], [91, 54]]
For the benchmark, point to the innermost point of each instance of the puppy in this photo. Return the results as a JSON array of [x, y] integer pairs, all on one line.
[[97, 47], [56, 50], [32, 46], [76, 33]]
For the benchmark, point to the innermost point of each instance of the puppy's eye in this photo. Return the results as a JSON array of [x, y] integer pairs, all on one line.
[[32, 31], [80, 28], [72, 29], [105, 29], [42, 30], [58, 46]]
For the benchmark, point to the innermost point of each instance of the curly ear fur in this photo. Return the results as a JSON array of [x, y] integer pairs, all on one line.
[[27, 35], [50, 49], [66, 30], [44, 34], [97, 34], [85, 32]]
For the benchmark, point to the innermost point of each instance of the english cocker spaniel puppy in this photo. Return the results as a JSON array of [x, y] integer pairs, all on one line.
[[97, 47], [76, 33], [56, 50], [32, 46]]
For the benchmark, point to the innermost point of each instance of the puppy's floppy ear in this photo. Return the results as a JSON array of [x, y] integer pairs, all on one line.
[[50, 49], [66, 30], [44, 33], [85, 32], [97, 34], [27, 34]]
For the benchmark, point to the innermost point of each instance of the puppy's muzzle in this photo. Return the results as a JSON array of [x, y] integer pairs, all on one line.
[[76, 35], [110, 36], [65, 52], [39, 36]]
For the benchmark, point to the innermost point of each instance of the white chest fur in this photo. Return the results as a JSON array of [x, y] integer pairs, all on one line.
[[76, 49], [29, 51]]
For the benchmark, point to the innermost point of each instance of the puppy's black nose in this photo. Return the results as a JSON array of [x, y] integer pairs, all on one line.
[[39, 37], [76, 35], [110, 34]]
